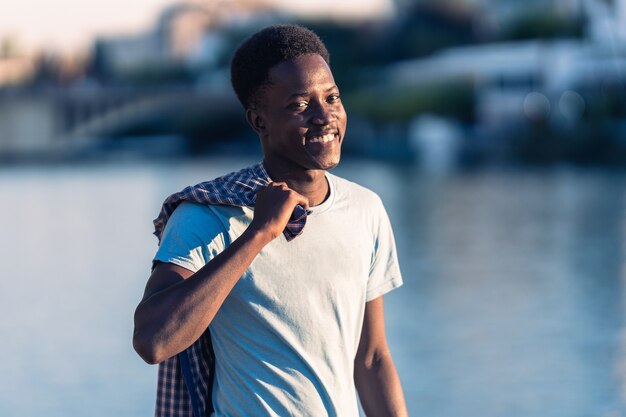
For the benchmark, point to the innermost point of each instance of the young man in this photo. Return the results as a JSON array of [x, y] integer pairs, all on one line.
[[294, 313]]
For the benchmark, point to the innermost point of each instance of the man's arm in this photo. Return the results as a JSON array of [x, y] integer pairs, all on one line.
[[375, 375], [178, 305]]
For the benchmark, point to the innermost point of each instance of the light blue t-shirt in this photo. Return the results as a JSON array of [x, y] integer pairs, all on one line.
[[286, 336]]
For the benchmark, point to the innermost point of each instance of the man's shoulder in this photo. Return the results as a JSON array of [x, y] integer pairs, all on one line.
[[354, 192], [206, 221], [190, 217]]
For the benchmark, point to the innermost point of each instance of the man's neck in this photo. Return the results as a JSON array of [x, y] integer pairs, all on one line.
[[310, 183]]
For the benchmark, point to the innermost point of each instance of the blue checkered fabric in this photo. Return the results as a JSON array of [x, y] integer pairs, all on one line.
[[234, 189], [173, 398]]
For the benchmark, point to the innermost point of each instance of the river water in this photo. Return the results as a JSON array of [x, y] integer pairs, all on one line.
[[513, 303]]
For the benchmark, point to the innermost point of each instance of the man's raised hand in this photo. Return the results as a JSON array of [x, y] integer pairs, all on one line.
[[273, 208]]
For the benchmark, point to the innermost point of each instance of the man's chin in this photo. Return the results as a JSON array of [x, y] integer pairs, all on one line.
[[326, 163]]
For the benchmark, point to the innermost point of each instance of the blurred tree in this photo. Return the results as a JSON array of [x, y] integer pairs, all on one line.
[[98, 66], [423, 27], [430, 26], [351, 49], [151, 75], [542, 23], [46, 71], [388, 104]]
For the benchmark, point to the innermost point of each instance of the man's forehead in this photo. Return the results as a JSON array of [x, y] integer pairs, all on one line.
[[302, 74]]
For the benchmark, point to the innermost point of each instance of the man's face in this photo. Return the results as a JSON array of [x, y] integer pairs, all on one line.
[[304, 121]]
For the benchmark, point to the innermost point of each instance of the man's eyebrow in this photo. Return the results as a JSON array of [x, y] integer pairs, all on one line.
[[306, 93]]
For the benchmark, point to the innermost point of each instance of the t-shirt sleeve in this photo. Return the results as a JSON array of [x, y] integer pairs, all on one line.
[[193, 235], [384, 270]]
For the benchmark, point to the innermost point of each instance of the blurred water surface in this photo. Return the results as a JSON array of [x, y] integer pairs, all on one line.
[[513, 303]]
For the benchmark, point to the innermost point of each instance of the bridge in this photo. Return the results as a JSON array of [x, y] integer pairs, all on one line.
[[55, 120]]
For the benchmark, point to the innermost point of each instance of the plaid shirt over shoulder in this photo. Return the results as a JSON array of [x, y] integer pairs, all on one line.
[[185, 381], [234, 189]]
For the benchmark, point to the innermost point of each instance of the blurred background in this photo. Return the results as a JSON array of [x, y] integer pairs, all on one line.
[[493, 130]]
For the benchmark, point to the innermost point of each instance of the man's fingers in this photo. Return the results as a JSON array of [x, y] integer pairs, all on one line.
[[294, 196], [280, 184], [274, 207], [298, 199], [280, 191], [303, 201]]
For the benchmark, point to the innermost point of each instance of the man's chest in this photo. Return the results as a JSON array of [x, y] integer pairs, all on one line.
[[330, 261]]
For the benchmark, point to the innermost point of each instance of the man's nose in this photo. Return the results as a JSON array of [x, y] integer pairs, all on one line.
[[323, 116]]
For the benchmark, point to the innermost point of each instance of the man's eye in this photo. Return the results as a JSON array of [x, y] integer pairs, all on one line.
[[300, 105], [333, 98]]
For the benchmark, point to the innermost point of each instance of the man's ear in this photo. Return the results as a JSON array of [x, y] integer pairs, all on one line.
[[256, 121]]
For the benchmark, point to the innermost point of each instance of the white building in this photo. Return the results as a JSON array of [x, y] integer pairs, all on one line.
[[506, 74]]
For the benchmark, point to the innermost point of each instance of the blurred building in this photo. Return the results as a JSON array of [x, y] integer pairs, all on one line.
[[187, 33], [506, 74], [52, 119], [460, 67]]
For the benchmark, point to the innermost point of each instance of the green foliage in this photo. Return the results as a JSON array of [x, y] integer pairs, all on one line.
[[152, 75], [401, 103], [430, 26], [543, 24], [351, 48]]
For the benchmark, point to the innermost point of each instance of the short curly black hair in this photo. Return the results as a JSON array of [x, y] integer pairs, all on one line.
[[252, 61]]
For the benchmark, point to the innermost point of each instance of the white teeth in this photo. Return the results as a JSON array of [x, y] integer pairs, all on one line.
[[323, 139]]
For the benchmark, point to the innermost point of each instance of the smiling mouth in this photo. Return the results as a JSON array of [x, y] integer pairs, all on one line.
[[323, 139]]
